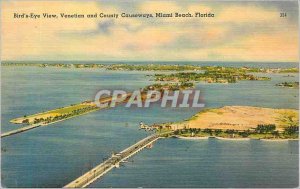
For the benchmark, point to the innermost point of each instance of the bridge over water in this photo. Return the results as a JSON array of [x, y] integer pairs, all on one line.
[[114, 161], [33, 126]]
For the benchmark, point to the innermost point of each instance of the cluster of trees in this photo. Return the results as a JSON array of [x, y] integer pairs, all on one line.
[[212, 132], [38, 120], [268, 128], [216, 76], [60, 117], [73, 113], [260, 129], [245, 133], [186, 85], [290, 121], [190, 130], [25, 121], [152, 67], [169, 86], [289, 84], [291, 130]]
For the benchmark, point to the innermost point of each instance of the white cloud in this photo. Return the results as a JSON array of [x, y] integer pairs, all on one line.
[[236, 33]]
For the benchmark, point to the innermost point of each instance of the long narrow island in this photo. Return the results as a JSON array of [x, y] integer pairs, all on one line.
[[53, 116]]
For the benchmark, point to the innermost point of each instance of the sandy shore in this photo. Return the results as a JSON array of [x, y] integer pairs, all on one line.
[[203, 138], [32, 126], [191, 138], [277, 140], [236, 117], [233, 139]]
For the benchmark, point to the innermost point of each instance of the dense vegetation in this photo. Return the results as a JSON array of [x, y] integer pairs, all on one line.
[[153, 67], [260, 132], [169, 86], [210, 76], [289, 84], [65, 115]]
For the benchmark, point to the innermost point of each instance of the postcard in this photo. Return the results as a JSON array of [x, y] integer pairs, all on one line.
[[149, 94]]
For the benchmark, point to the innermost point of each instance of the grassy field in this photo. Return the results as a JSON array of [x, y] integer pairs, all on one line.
[[51, 113]]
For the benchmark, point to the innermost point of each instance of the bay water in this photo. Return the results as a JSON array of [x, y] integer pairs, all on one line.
[[54, 155]]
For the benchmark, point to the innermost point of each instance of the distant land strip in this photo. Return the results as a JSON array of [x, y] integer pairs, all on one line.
[[154, 67]]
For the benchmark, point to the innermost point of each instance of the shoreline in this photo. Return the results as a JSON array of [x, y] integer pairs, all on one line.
[[278, 140], [239, 119], [33, 126], [234, 139], [190, 138], [46, 113]]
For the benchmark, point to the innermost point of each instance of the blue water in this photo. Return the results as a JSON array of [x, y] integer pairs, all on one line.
[[209, 163], [54, 155]]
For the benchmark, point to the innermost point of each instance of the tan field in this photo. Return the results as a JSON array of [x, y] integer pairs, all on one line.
[[240, 118]]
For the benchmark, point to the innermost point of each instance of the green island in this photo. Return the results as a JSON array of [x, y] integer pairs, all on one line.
[[170, 86], [289, 84], [56, 114], [210, 76]]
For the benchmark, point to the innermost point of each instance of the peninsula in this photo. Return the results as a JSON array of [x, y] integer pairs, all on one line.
[[240, 122]]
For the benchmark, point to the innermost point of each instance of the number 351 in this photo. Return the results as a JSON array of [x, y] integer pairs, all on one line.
[[283, 14]]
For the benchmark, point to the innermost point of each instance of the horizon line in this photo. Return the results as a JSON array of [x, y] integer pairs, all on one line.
[[169, 61]]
